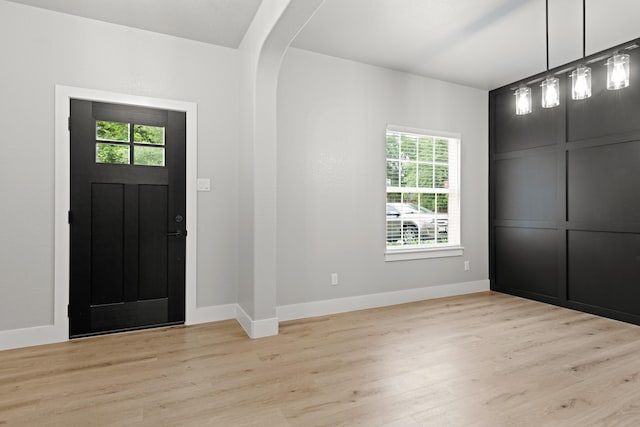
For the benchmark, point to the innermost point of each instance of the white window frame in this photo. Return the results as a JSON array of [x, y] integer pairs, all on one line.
[[403, 253]]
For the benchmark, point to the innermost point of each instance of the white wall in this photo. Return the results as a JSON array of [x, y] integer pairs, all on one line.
[[332, 115], [273, 28], [41, 49]]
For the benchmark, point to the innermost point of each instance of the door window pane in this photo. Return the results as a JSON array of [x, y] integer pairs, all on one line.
[[112, 131], [148, 134], [112, 153], [148, 156]]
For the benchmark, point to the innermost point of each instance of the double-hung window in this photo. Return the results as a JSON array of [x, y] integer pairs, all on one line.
[[423, 193]]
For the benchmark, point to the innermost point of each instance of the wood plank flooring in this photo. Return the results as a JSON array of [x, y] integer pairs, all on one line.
[[478, 360]]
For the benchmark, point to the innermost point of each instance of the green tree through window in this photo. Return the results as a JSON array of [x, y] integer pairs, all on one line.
[[148, 144]]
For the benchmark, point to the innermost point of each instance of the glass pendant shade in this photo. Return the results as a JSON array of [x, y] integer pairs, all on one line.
[[550, 92], [581, 83], [523, 101], [618, 72]]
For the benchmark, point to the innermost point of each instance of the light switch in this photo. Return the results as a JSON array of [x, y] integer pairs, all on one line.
[[204, 184]]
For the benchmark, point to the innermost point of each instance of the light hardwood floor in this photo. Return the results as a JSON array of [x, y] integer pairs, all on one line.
[[484, 359]]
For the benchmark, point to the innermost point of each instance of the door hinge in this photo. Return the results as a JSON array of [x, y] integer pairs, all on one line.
[[69, 311], [69, 123], [69, 217]]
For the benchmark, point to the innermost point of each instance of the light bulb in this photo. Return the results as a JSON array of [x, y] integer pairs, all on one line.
[[581, 85], [581, 81], [550, 95], [550, 92], [618, 75], [618, 72], [523, 100]]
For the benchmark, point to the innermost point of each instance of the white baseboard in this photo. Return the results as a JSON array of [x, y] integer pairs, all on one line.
[[361, 302], [39, 335], [216, 313], [49, 334], [243, 318], [256, 328], [265, 328], [27, 337], [213, 313]]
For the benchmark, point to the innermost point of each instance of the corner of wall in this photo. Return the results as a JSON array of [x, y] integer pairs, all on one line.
[[256, 328]]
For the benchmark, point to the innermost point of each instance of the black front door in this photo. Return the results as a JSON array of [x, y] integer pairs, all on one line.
[[128, 219]]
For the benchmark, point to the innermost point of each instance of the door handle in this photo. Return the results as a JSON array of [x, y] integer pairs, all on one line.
[[177, 233]]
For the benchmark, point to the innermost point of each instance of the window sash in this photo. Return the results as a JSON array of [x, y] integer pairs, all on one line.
[[452, 192]]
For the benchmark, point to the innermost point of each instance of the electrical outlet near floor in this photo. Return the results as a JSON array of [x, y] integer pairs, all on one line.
[[334, 279], [466, 266]]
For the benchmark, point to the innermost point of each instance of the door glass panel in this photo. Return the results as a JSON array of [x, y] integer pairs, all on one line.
[[148, 156], [148, 134], [112, 153], [112, 131]]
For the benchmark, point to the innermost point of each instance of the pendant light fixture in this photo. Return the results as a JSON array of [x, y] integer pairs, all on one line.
[[550, 85], [523, 100], [550, 92], [581, 77], [618, 71], [618, 67]]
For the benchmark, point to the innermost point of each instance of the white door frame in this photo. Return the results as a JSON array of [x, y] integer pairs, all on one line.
[[63, 95]]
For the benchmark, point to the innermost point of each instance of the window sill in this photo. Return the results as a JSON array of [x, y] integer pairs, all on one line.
[[423, 253]]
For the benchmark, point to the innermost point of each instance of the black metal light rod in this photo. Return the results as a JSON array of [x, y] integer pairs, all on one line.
[[546, 9], [584, 29], [565, 68]]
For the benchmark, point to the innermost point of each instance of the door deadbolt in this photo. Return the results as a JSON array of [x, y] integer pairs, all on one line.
[[179, 218]]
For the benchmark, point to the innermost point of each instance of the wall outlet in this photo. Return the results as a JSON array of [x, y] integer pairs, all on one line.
[[466, 266], [334, 279]]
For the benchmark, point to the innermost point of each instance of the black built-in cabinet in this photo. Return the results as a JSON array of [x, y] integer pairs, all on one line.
[[564, 220]]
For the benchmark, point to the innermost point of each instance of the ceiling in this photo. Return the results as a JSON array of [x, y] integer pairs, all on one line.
[[220, 22], [479, 43]]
